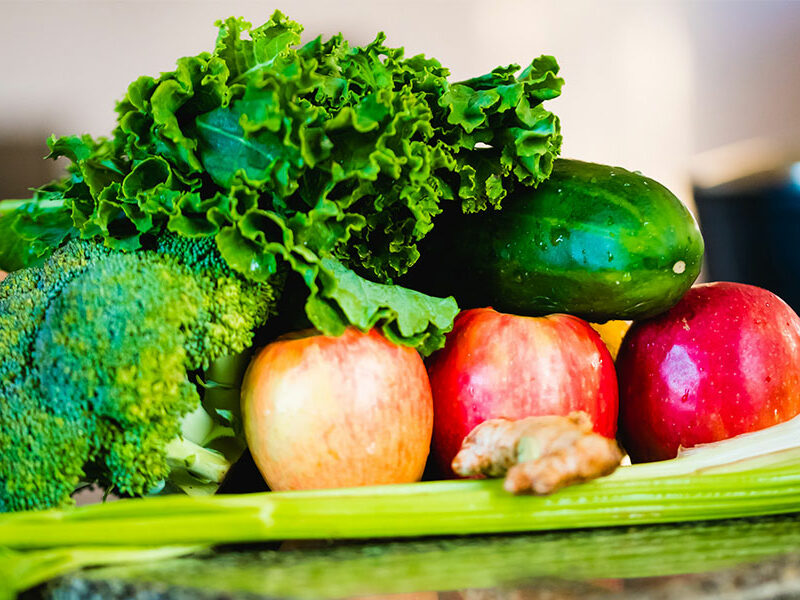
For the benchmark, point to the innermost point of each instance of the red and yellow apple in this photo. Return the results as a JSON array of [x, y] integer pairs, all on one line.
[[500, 365], [323, 412], [724, 361]]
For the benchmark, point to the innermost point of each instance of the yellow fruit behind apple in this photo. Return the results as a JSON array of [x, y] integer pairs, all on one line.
[[612, 333]]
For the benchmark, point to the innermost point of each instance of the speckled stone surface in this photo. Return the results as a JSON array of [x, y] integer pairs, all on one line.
[[774, 579], [778, 578], [738, 559]]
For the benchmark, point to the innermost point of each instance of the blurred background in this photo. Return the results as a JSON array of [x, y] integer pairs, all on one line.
[[702, 95]]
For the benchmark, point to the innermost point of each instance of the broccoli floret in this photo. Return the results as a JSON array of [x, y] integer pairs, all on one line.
[[101, 359], [233, 305]]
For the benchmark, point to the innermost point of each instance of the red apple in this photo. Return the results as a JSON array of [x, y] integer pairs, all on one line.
[[724, 361], [323, 412], [500, 365]]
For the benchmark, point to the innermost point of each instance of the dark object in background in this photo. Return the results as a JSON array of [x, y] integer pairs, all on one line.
[[243, 477], [751, 226]]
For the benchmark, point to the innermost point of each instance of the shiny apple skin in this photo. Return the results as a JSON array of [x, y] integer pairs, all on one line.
[[724, 361], [325, 412], [501, 365]]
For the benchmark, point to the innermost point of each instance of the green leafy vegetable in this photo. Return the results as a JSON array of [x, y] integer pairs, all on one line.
[[260, 162], [406, 317], [306, 154], [31, 231]]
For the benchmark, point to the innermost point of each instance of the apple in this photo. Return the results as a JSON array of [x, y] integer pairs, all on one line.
[[724, 361], [500, 365], [324, 412]]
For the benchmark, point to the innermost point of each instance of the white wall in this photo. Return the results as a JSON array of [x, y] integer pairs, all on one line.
[[649, 83]]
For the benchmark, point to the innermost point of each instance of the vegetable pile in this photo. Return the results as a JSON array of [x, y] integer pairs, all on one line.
[[322, 164], [303, 158], [267, 187]]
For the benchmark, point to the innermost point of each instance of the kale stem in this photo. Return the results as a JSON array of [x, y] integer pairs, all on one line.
[[9, 206]]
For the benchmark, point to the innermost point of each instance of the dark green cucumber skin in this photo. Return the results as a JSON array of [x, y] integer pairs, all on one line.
[[594, 241]]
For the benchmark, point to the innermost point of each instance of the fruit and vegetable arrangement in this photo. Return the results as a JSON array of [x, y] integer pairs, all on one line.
[[336, 260]]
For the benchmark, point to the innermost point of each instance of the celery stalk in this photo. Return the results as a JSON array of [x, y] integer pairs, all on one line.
[[771, 486], [21, 571], [709, 484], [756, 474], [727, 455], [379, 569]]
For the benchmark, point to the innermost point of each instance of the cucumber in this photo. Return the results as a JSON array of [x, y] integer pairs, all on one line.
[[594, 241]]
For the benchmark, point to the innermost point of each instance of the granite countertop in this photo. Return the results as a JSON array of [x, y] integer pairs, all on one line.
[[743, 558]]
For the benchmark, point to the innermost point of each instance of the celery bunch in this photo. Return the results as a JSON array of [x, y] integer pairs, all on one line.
[[746, 476], [752, 475]]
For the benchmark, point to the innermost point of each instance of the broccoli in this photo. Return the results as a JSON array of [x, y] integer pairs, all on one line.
[[121, 369]]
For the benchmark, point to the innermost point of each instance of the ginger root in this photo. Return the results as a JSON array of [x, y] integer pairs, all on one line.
[[538, 455]]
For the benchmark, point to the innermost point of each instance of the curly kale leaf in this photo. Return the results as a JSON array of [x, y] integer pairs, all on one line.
[[308, 154], [262, 123]]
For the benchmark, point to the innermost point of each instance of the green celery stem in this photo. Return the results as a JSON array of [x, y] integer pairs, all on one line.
[[420, 509], [34, 568]]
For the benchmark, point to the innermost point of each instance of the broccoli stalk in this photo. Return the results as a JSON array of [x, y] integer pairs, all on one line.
[[197, 460], [200, 457]]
